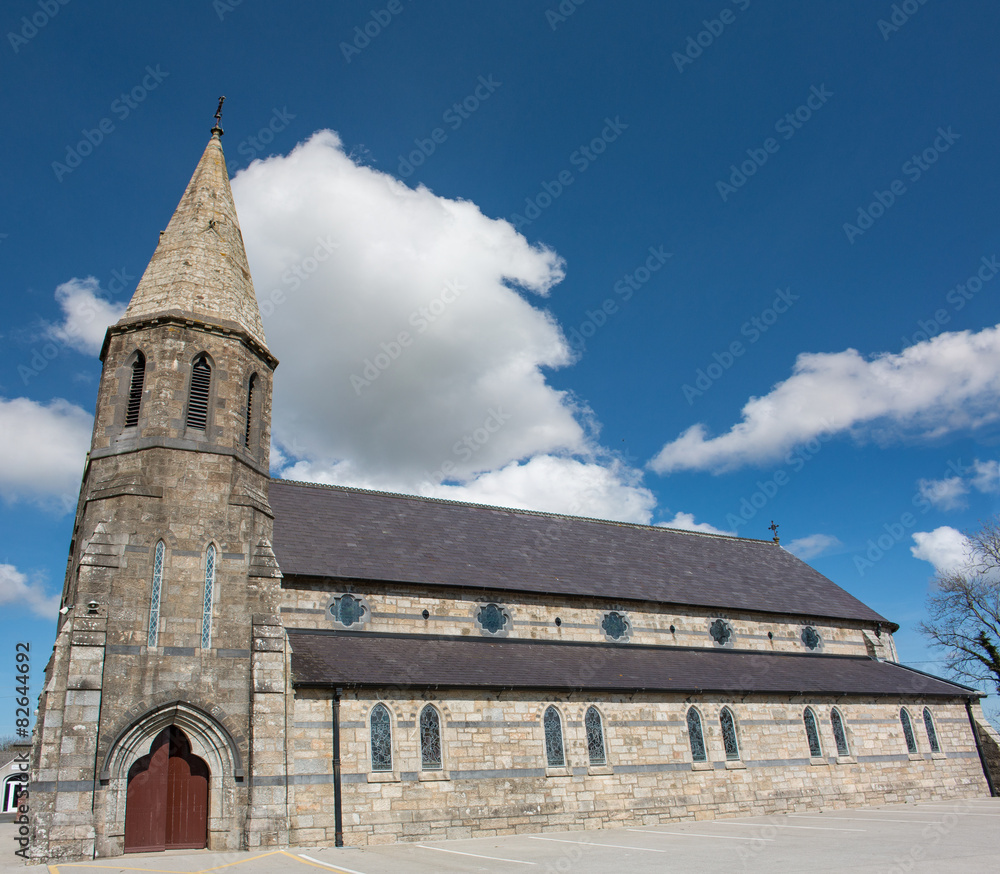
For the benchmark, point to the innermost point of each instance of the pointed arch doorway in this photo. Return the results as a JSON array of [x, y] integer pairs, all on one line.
[[166, 805]]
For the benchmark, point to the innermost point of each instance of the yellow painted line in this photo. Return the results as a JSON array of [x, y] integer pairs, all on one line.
[[241, 862], [53, 869]]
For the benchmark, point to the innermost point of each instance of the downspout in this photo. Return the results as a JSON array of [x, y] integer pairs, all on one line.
[[338, 810], [979, 749]]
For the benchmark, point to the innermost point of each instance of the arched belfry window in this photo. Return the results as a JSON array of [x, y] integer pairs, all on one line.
[[911, 740], [380, 731], [201, 384], [250, 393], [595, 737], [696, 736], [154, 600], [932, 738], [729, 740], [812, 733], [135, 390], [430, 739], [552, 724], [206, 619], [839, 734]]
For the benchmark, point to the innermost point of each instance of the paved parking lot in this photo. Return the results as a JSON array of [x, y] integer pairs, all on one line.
[[953, 836]]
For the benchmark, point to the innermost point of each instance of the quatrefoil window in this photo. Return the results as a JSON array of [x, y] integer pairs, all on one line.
[[348, 610], [810, 637], [493, 619], [616, 625], [721, 631]]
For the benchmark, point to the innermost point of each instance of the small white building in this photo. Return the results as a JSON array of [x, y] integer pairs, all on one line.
[[17, 761]]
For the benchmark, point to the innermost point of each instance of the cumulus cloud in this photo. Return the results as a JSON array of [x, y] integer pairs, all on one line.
[[812, 545], [948, 383], [986, 476], [44, 449], [17, 591], [944, 547], [685, 521], [86, 315], [945, 494], [414, 351]]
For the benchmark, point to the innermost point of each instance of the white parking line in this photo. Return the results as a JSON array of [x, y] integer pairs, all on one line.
[[592, 844], [476, 855], [862, 819], [697, 835], [785, 825], [328, 865]]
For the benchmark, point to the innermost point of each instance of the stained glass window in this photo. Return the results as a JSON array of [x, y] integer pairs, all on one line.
[[810, 637], [839, 735], [728, 724], [206, 619], [812, 733], [552, 724], [911, 741], [491, 618], [430, 739], [615, 625], [347, 610], [931, 733], [595, 737], [721, 632], [381, 735], [154, 601], [696, 737]]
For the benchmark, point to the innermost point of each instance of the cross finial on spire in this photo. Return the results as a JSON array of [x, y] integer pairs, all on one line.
[[773, 528], [218, 118]]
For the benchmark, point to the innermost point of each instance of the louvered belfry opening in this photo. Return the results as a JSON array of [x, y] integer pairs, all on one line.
[[201, 382], [135, 391], [250, 388]]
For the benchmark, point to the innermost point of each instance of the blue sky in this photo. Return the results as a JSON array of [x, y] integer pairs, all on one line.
[[705, 264]]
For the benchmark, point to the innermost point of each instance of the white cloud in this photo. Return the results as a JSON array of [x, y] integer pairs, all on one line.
[[945, 494], [43, 451], [812, 545], [685, 521], [948, 383], [944, 547], [987, 476], [86, 315], [413, 357], [16, 591]]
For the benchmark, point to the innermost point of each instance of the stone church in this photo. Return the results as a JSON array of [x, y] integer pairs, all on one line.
[[246, 662]]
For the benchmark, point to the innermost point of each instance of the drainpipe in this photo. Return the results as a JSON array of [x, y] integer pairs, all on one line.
[[338, 811], [979, 749]]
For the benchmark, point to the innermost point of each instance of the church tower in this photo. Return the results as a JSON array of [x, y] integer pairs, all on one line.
[[161, 722]]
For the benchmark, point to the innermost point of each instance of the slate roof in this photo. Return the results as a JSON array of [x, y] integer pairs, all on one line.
[[333, 531], [356, 659]]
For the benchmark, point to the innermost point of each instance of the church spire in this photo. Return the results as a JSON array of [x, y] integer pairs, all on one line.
[[199, 268]]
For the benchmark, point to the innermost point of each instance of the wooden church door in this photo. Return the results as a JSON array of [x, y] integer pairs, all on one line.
[[166, 806]]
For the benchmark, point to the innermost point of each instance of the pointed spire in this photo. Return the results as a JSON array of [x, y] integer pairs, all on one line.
[[199, 268]]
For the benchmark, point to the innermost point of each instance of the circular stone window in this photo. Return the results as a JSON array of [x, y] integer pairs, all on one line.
[[810, 637], [616, 626], [348, 610], [722, 632], [494, 619]]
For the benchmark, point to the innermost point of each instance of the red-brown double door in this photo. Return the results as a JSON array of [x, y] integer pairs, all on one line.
[[167, 798]]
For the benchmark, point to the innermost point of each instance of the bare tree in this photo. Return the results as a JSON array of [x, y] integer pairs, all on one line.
[[964, 610]]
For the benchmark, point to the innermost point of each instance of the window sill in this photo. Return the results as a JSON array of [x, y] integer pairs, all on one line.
[[939, 755], [702, 766], [383, 777], [600, 770], [915, 757], [735, 765], [818, 760], [433, 776], [846, 760], [564, 771]]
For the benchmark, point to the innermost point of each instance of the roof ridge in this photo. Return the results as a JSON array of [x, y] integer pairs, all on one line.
[[523, 511]]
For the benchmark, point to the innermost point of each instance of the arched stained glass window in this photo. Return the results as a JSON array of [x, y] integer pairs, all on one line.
[[135, 390], [430, 739], [380, 724], [839, 735], [552, 723], [911, 740], [812, 733], [729, 741], [595, 737], [931, 733], [695, 736], [250, 392], [201, 384], [206, 618], [154, 600]]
